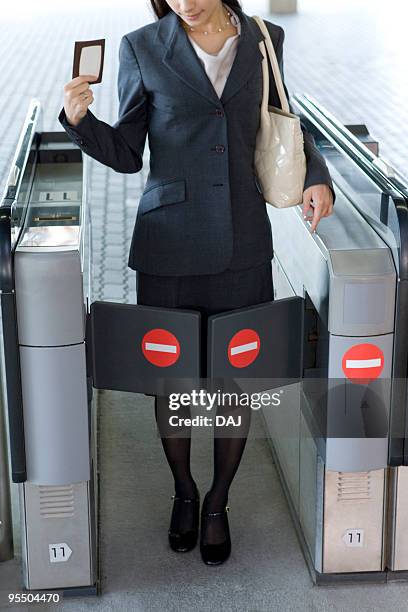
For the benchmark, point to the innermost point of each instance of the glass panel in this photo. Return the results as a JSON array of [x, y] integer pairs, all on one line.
[[19, 180], [384, 173], [20, 203]]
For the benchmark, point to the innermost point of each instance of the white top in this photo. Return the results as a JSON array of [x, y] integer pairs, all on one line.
[[218, 65]]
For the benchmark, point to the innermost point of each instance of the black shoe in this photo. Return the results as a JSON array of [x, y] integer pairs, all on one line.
[[215, 554], [183, 541]]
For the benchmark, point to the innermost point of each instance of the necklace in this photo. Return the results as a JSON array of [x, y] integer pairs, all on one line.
[[206, 32]]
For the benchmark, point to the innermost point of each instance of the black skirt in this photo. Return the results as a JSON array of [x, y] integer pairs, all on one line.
[[208, 293]]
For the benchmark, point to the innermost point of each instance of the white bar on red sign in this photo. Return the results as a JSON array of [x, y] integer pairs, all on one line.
[[363, 363], [250, 346], [164, 348]]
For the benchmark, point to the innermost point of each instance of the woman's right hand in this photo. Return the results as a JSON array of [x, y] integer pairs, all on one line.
[[77, 97]]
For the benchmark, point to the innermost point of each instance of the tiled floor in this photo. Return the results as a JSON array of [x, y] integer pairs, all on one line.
[[350, 56]]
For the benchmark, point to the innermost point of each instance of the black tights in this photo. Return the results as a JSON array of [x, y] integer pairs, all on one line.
[[229, 444]]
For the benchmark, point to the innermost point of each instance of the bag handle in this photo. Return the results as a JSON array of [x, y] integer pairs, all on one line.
[[275, 68]]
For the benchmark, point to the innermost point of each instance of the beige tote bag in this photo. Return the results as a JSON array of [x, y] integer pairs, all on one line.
[[280, 161]]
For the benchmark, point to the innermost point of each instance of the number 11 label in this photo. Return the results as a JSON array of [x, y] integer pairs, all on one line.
[[59, 552], [354, 537]]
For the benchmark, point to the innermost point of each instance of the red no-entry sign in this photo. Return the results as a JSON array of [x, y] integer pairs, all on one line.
[[160, 347], [363, 363], [243, 348]]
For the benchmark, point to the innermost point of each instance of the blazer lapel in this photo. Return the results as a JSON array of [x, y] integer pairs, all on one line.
[[248, 57], [181, 58]]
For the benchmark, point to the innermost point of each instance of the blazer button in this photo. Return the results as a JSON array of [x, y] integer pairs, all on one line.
[[220, 148], [219, 112]]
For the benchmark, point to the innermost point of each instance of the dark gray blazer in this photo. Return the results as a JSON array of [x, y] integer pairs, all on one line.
[[202, 209]]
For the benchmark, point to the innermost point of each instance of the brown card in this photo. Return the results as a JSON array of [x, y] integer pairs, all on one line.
[[88, 58]]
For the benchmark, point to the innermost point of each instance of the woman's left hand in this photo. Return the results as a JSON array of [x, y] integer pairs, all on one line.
[[322, 205]]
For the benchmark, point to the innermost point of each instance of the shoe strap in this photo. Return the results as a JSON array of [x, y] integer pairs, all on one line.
[[217, 513], [185, 499]]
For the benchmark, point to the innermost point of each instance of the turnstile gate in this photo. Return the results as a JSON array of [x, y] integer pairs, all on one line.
[[331, 442], [348, 417], [60, 345], [44, 276]]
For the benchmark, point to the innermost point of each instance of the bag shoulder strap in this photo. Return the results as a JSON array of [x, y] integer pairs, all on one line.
[[274, 62]]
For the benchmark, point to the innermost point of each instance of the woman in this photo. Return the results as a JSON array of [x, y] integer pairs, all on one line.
[[192, 82]]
